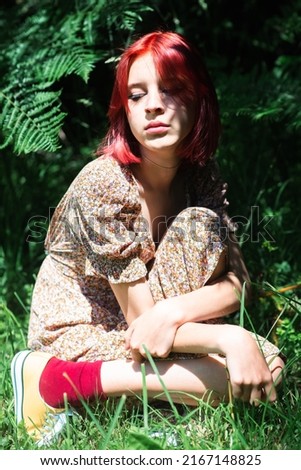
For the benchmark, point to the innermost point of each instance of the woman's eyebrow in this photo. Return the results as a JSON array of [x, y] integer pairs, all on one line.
[[135, 85]]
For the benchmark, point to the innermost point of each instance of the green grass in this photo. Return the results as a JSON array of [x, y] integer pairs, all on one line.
[[138, 424]]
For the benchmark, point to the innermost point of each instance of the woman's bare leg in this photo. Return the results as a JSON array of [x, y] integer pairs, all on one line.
[[204, 378], [196, 377]]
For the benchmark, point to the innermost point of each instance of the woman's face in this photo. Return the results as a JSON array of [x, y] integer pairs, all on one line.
[[157, 119]]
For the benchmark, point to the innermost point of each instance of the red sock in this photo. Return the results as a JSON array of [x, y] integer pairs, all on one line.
[[78, 380]]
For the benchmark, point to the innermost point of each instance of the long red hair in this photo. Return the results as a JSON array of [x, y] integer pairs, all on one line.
[[177, 60]]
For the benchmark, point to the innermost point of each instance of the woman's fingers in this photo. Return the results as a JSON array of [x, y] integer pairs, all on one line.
[[254, 393], [269, 392], [256, 396], [137, 355], [127, 337]]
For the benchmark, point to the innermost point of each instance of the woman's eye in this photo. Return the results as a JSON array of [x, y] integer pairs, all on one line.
[[171, 90], [136, 96]]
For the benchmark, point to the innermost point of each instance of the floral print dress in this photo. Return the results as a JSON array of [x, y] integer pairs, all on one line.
[[98, 236]]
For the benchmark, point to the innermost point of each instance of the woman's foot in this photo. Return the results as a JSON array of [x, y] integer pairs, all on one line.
[[41, 421]]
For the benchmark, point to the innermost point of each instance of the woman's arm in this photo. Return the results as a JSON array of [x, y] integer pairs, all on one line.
[[219, 297], [250, 378], [249, 375], [155, 325], [150, 327]]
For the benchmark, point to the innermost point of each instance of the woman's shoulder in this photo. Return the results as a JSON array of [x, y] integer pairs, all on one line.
[[207, 174], [207, 187], [211, 169], [104, 174], [104, 167]]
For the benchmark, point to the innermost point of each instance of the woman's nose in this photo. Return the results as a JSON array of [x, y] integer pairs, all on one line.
[[154, 102]]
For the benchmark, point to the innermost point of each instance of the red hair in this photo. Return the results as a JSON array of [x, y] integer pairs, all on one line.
[[176, 60]]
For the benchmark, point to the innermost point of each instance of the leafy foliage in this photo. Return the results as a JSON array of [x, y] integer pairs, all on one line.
[[50, 42], [31, 120]]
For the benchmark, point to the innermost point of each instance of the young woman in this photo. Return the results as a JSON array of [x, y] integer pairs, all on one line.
[[141, 256]]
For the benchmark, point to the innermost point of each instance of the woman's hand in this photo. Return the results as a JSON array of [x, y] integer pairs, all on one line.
[[249, 375], [155, 329]]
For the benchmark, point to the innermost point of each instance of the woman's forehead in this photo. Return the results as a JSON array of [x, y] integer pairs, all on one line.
[[142, 68], [148, 66]]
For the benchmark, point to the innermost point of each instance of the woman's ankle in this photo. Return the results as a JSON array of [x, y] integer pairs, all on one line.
[[71, 381]]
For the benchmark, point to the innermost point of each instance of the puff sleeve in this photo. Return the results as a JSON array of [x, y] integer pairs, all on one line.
[[104, 221]]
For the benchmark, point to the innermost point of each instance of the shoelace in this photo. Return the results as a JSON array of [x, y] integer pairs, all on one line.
[[54, 425]]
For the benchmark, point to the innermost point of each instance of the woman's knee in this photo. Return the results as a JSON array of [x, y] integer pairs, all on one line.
[[203, 214], [195, 211], [196, 224]]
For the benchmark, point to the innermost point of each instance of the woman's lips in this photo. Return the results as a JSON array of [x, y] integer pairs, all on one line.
[[156, 128]]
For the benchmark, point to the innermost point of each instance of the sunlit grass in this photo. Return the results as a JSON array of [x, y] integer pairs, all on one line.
[[142, 424]]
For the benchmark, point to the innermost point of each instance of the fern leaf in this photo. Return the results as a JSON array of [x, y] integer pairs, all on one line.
[[78, 60], [31, 123], [50, 43]]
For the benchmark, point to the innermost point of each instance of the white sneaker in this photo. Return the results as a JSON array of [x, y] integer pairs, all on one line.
[[41, 421]]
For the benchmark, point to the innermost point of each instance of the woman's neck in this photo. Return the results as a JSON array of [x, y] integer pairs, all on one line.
[[156, 175]]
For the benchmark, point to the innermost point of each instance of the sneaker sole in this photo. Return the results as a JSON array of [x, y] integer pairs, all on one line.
[[18, 384]]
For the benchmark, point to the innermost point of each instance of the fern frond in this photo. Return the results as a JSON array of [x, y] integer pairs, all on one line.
[[76, 60], [32, 123], [50, 42], [125, 18]]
